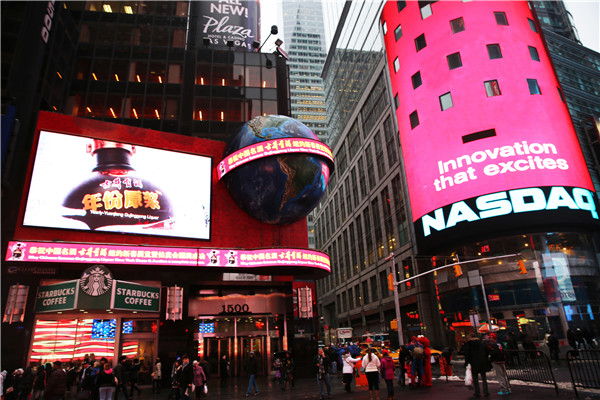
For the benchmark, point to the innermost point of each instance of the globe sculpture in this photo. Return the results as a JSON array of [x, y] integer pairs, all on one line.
[[282, 188]]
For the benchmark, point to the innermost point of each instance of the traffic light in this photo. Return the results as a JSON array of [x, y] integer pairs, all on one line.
[[394, 324], [522, 269], [391, 282], [457, 271]]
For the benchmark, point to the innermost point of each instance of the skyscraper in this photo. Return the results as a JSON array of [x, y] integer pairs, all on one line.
[[305, 42]]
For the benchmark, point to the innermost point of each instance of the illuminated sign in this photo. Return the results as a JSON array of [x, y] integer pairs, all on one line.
[[493, 297], [276, 259], [481, 164], [93, 184], [58, 297], [131, 296], [230, 20], [271, 148]]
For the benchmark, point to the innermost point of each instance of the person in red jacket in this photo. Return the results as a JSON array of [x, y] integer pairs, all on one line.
[[387, 372], [426, 361]]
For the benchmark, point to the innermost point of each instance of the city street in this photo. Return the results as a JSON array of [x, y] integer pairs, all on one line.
[[452, 389]]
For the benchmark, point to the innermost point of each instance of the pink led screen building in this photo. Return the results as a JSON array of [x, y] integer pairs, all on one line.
[[487, 140]]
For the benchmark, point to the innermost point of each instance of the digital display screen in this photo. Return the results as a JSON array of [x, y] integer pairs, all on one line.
[[84, 183], [206, 327], [488, 143], [104, 328], [127, 327]]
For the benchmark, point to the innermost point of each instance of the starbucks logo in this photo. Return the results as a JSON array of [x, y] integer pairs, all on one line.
[[96, 281]]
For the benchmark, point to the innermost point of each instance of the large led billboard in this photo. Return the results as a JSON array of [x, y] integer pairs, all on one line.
[[487, 140], [85, 183], [233, 21]]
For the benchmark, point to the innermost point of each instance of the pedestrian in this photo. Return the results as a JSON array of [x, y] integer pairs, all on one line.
[[107, 382], [56, 385], [120, 373], [477, 355], [156, 376], [26, 385], [348, 369], [86, 381], [3, 375], [224, 368], [134, 371], [416, 366], [185, 378], [371, 365], [39, 383], [426, 360], [553, 345], [445, 361], [199, 379], [288, 371], [252, 370], [323, 364], [174, 392], [498, 359], [387, 371]]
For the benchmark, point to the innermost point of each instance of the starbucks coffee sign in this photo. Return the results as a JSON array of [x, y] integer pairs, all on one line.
[[58, 297], [131, 296]]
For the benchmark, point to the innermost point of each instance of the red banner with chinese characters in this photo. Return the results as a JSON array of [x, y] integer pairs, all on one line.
[[271, 148], [142, 255]]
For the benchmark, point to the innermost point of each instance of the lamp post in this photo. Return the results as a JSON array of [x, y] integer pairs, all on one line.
[[396, 300]]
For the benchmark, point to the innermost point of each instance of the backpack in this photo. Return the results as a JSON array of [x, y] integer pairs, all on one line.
[[418, 352]]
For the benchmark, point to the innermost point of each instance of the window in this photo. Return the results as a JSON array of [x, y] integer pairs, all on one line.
[[401, 5], [560, 93], [500, 18], [384, 28], [414, 119], [534, 88], [398, 32], [492, 88], [396, 64], [494, 51], [532, 25], [426, 11], [454, 61], [420, 42], [534, 53], [446, 101], [396, 101], [416, 80], [457, 25]]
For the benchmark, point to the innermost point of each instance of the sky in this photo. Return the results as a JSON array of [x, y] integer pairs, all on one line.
[[586, 17]]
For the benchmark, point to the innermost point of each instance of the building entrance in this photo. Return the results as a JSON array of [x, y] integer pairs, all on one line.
[[234, 338]]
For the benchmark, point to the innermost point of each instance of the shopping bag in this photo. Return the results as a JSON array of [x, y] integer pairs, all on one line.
[[469, 377], [205, 390]]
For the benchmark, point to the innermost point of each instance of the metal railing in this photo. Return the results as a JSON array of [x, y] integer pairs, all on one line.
[[530, 366], [584, 367]]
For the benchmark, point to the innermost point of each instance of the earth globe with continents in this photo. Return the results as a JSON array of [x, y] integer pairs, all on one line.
[[281, 188]]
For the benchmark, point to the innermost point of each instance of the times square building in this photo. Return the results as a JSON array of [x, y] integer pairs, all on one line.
[[147, 93], [483, 125]]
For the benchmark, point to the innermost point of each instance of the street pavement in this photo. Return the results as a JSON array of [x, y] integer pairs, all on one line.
[[453, 388]]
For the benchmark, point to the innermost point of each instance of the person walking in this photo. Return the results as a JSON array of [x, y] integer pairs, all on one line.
[[323, 364], [185, 377], [39, 383], [553, 345], [156, 376], [224, 369], [174, 391], [477, 355], [348, 369], [252, 370], [107, 382], [199, 379], [371, 365], [498, 359], [287, 372], [120, 373], [134, 371], [56, 385], [387, 371]]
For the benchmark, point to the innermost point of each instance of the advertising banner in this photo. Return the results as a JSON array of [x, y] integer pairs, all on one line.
[[131, 296], [229, 20], [84, 183], [488, 143], [57, 297]]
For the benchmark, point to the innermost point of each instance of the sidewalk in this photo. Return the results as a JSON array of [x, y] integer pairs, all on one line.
[[452, 389]]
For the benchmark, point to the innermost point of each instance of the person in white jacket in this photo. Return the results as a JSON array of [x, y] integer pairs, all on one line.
[[348, 369], [371, 364]]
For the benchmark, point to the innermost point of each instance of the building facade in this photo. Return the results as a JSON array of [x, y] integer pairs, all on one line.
[[127, 78], [435, 87]]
